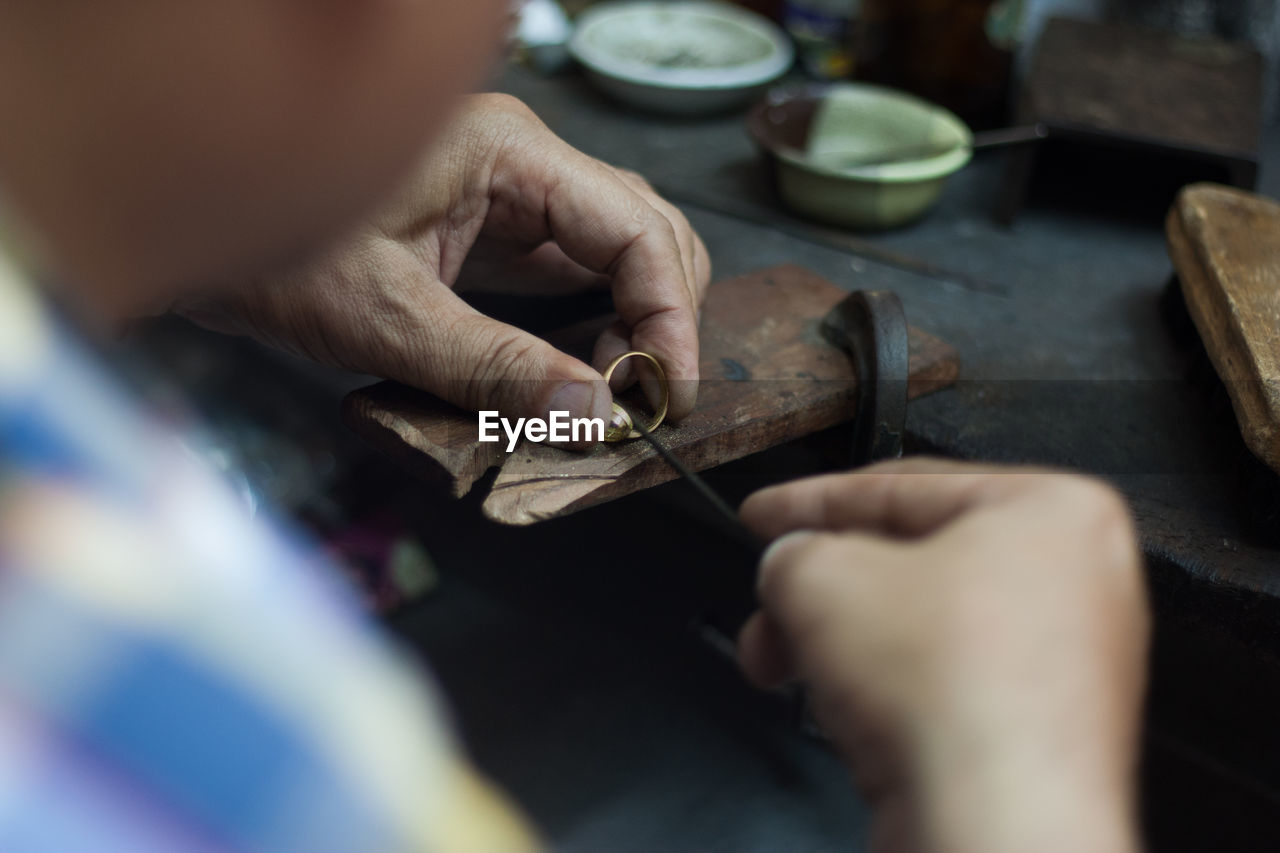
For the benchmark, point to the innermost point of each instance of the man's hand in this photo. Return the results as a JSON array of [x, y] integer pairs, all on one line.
[[500, 200], [975, 643]]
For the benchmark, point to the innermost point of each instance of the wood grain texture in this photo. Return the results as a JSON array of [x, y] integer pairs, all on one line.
[[431, 438], [1149, 87], [1225, 244], [768, 377]]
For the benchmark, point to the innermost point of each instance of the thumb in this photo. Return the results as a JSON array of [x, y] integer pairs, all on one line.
[[479, 363]]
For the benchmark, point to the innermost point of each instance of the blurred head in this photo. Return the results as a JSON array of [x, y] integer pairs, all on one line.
[[156, 144]]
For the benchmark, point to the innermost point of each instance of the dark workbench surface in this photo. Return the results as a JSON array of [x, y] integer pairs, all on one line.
[[1067, 359], [566, 647]]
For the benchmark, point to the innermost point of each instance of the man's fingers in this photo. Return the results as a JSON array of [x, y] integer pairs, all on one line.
[[796, 568], [613, 342], [545, 271], [478, 363], [538, 188], [909, 497], [606, 226], [693, 253], [812, 585], [617, 339], [763, 653]]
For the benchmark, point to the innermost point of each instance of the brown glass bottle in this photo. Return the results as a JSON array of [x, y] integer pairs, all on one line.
[[958, 53]]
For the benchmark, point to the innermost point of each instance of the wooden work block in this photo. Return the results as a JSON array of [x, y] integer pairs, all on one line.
[[768, 377], [1225, 245]]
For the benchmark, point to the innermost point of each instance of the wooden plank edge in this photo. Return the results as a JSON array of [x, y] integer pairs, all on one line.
[[457, 471], [1214, 317]]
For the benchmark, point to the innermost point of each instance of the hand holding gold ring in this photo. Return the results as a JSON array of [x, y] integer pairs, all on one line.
[[621, 427]]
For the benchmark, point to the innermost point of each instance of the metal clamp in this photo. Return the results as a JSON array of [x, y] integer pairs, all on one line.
[[872, 327]]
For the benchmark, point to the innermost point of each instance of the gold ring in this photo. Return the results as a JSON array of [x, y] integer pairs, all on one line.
[[621, 427]]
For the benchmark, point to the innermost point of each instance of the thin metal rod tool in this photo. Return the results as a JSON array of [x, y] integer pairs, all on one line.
[[726, 513], [981, 141]]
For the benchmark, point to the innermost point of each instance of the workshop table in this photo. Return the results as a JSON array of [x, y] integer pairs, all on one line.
[[1066, 359], [569, 649]]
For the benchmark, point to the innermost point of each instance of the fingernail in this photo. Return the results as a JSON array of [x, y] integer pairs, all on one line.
[[576, 398], [784, 542]]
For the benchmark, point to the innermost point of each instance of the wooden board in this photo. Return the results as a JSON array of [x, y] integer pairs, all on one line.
[[768, 377], [1225, 244], [1149, 87], [1194, 103]]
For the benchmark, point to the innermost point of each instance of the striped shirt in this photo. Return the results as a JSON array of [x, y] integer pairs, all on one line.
[[175, 676]]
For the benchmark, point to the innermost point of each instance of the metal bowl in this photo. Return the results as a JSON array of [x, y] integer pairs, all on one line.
[[857, 155], [680, 58]]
